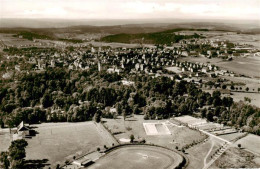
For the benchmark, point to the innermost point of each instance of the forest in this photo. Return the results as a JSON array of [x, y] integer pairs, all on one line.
[[64, 95]]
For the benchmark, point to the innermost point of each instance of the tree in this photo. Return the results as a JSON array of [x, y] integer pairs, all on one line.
[[239, 145], [247, 99], [210, 116], [132, 137], [224, 86], [9, 121], [247, 89], [17, 153], [203, 113], [4, 160], [232, 87], [97, 116], [67, 162], [46, 100], [57, 166]]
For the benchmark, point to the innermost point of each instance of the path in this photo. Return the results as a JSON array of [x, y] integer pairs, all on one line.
[[104, 133], [212, 145], [215, 136], [215, 157]]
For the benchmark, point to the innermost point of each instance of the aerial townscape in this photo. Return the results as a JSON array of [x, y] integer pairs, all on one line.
[[139, 93]]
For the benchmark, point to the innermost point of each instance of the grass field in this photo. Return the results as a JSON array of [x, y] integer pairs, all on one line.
[[250, 142], [60, 141], [255, 97], [180, 136], [138, 157], [231, 136], [5, 139], [197, 154]]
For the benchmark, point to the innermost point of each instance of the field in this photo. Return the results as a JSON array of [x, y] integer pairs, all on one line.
[[250, 142], [138, 157], [255, 97], [174, 69], [236, 158], [231, 136], [156, 129], [9, 40], [180, 135], [197, 154], [60, 141], [5, 139], [250, 64], [251, 39]]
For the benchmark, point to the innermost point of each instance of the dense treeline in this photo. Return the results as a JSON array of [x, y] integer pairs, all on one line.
[[63, 95], [164, 37]]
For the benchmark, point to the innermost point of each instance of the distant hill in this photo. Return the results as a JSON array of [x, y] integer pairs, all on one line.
[[164, 37], [155, 33]]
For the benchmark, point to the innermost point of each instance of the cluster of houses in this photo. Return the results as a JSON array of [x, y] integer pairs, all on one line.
[[149, 60]]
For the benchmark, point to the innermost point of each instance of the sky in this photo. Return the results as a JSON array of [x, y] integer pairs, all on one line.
[[131, 9]]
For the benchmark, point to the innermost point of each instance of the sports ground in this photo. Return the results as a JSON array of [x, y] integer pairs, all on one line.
[[156, 129], [139, 157]]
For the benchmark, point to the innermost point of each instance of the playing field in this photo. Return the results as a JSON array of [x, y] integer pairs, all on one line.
[[138, 157], [156, 129], [60, 141]]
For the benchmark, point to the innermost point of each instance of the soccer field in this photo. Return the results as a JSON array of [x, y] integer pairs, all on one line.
[[60, 141]]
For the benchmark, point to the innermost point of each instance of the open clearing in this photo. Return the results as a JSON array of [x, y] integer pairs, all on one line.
[[138, 157], [60, 141]]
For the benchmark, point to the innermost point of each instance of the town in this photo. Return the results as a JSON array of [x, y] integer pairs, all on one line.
[[150, 94]]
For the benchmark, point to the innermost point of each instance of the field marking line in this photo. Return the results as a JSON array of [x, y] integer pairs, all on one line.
[[212, 145]]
